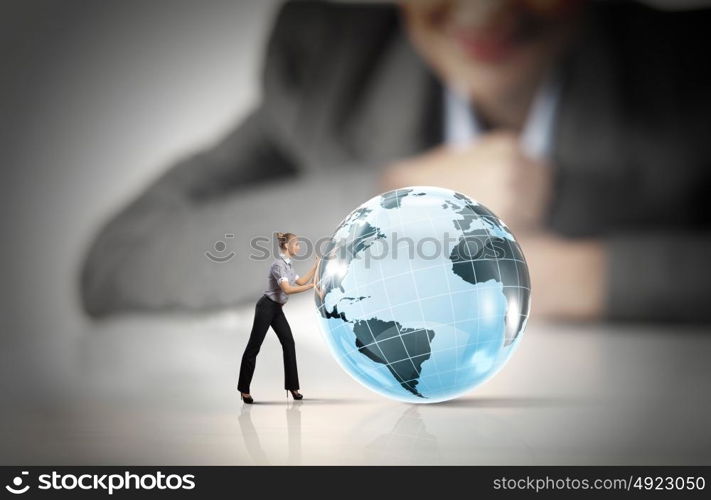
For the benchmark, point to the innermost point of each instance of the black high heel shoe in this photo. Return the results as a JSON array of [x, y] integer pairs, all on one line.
[[294, 395], [247, 399]]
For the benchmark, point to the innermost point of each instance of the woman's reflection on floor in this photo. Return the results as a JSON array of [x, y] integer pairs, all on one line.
[[254, 445], [476, 431], [293, 425]]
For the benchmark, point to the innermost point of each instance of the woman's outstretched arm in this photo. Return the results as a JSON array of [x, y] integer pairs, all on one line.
[[289, 289], [302, 280]]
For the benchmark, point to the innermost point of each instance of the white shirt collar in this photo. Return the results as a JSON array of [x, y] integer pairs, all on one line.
[[283, 256], [461, 125]]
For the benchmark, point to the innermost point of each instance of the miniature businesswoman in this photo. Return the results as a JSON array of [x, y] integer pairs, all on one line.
[[282, 282]]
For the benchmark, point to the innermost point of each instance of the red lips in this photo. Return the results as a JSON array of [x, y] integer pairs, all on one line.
[[487, 47]]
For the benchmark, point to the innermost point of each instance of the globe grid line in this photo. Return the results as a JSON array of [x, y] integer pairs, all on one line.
[[389, 308], [396, 323], [445, 349], [498, 267], [399, 333], [471, 261], [502, 280], [451, 302], [358, 289], [419, 304], [459, 292], [458, 225], [494, 221], [518, 282], [418, 330], [363, 314]]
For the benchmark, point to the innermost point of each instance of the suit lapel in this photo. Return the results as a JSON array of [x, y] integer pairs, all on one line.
[[400, 111], [590, 134]]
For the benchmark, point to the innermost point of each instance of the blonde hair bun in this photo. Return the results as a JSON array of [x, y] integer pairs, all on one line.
[[283, 238]]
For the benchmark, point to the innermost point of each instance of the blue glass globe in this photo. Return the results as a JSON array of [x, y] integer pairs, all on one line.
[[422, 294]]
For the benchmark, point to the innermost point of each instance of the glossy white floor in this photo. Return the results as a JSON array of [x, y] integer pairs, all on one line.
[[161, 390]]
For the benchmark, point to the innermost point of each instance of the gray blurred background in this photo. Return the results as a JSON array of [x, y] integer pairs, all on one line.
[[97, 99]]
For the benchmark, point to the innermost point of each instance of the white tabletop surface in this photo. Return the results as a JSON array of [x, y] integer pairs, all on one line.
[[162, 390]]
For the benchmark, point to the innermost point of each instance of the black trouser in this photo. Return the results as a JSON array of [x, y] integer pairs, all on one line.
[[269, 313]]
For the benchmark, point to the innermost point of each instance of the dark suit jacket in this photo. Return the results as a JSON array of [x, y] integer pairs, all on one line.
[[344, 94]]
